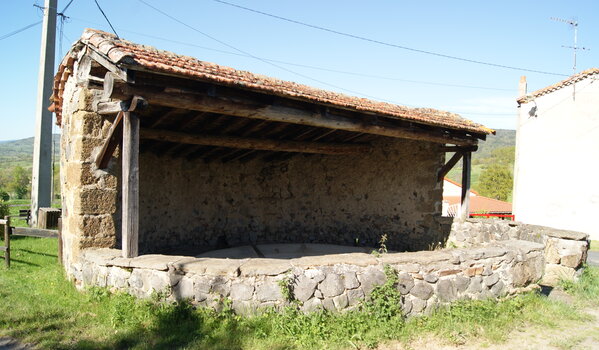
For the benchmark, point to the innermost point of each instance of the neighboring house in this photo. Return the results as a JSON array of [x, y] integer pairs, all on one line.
[[557, 152], [478, 204]]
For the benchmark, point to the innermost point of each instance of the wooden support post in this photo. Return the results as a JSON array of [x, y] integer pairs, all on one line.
[[130, 183], [465, 200], [7, 241]]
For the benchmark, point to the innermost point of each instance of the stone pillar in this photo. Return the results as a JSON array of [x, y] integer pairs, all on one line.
[[89, 194]]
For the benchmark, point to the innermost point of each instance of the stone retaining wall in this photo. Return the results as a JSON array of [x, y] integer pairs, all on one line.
[[565, 251], [427, 279]]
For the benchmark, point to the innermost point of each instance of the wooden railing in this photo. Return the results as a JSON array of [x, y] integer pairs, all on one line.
[[29, 232]]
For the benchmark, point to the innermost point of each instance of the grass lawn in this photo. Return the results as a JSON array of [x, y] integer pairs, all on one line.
[[40, 306], [595, 246]]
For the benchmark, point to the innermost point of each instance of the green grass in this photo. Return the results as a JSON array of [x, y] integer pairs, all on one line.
[[40, 306], [594, 246]]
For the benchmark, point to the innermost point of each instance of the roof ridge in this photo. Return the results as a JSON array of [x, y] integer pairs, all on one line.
[[561, 84]]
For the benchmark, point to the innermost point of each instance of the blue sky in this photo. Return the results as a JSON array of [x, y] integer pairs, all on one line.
[[513, 33]]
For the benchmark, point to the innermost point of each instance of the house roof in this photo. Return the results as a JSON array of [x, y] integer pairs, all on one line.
[[480, 204], [140, 57], [567, 82], [459, 185]]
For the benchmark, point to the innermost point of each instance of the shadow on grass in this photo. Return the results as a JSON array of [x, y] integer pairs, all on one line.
[[13, 260], [38, 253], [179, 326]]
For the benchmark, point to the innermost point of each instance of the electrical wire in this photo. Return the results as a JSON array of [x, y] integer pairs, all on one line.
[[324, 69], [259, 58], [375, 41], [106, 18], [8, 35]]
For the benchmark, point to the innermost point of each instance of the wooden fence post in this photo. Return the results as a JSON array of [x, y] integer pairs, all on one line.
[[7, 241]]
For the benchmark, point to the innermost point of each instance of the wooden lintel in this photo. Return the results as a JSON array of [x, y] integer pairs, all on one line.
[[112, 107], [254, 143], [247, 108], [449, 165], [130, 185]]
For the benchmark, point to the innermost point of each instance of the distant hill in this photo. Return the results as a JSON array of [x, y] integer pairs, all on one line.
[[20, 152], [487, 154]]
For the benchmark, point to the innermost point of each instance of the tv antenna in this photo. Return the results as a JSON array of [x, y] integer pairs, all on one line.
[[574, 25]]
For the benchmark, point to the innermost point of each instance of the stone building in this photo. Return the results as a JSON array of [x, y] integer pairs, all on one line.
[[166, 159], [217, 157], [557, 147]]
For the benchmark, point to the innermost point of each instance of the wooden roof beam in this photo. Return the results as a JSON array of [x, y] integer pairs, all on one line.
[[248, 108], [252, 143]]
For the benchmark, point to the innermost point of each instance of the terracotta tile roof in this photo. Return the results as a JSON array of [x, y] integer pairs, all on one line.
[[571, 80], [126, 53], [480, 204]]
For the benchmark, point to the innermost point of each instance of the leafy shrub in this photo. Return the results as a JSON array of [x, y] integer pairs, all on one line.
[[4, 209]]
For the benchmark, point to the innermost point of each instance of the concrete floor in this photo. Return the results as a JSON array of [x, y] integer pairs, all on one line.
[[282, 251]]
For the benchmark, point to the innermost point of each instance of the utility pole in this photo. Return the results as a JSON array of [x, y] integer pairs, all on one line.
[[41, 178]]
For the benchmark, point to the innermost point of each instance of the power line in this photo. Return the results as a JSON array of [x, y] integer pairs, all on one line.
[[270, 62], [354, 36], [325, 69], [106, 18], [258, 58], [6, 36]]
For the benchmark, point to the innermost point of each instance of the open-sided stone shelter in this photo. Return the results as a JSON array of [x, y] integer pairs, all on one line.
[[165, 158]]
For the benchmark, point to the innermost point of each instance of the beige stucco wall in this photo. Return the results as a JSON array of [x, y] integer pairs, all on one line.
[[557, 164], [326, 199]]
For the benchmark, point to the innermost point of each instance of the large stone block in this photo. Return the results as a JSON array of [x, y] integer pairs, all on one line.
[[87, 123], [79, 174], [303, 288], [84, 149], [422, 290], [94, 201], [555, 273], [268, 291], [241, 291], [97, 226], [332, 285], [371, 277]]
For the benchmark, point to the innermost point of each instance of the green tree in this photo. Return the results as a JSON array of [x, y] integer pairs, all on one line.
[[4, 195], [496, 182], [20, 182]]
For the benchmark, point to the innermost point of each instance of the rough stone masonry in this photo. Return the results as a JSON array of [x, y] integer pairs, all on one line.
[[427, 279], [565, 251]]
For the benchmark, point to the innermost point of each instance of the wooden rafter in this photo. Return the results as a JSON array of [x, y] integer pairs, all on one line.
[[248, 108], [252, 143]]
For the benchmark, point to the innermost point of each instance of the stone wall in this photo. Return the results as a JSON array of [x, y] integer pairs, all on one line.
[[198, 206], [565, 251], [332, 282], [343, 200]]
